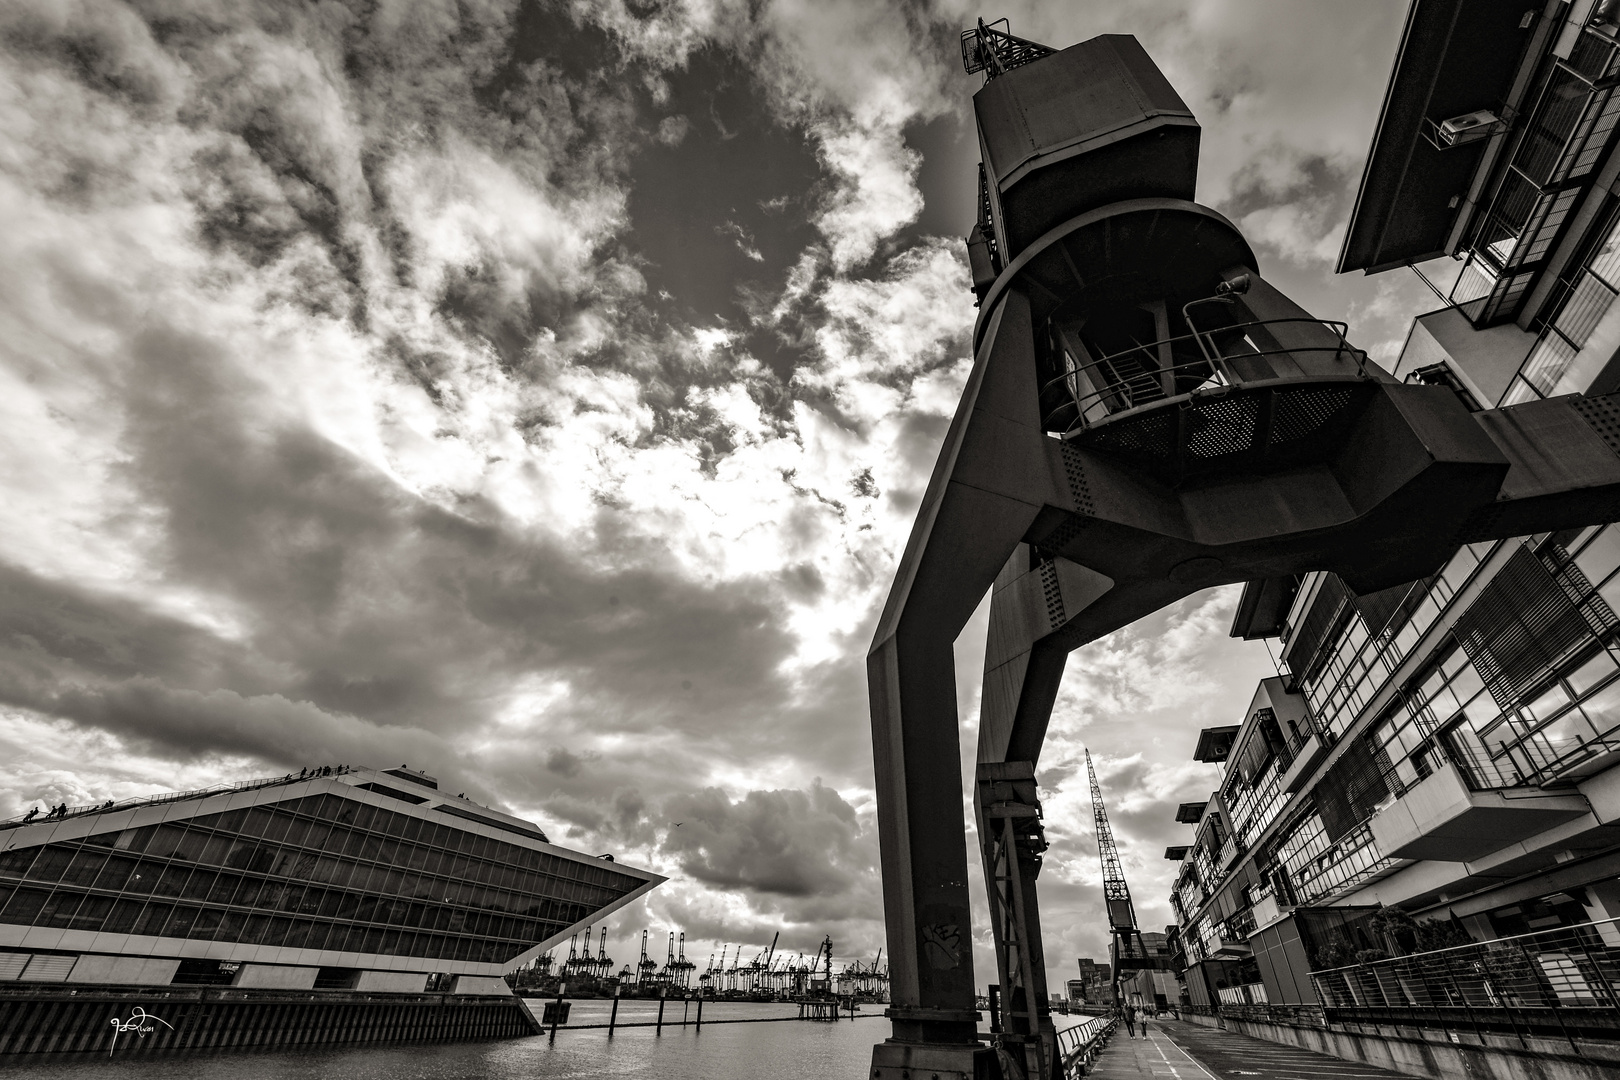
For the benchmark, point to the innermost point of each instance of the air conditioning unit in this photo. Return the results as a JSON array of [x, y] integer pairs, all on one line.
[[1469, 127]]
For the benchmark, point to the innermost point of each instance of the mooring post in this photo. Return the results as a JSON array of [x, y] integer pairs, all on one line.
[[613, 1017], [556, 1013], [700, 1012], [686, 1007], [659, 1030]]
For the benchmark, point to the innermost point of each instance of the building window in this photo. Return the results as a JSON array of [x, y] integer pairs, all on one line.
[[243, 876], [1557, 364]]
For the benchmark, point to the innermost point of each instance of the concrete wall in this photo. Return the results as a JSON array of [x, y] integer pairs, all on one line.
[[1279, 952], [1431, 1054], [395, 982], [480, 984], [58, 1019], [275, 977], [1493, 356], [124, 970]]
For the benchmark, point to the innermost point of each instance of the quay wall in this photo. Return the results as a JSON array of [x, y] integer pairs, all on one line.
[[68, 1019]]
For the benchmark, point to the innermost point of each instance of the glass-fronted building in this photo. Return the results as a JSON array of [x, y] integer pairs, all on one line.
[[1449, 747], [342, 879]]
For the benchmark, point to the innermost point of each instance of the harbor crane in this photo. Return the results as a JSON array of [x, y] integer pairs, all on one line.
[[1126, 950], [1147, 416]]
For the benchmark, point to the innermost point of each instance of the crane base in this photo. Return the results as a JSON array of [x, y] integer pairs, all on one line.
[[894, 1060]]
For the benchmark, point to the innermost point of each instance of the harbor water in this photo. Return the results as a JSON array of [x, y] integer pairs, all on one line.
[[786, 1050]]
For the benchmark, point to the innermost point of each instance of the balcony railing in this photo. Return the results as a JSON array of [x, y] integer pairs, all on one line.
[[1132, 378], [1246, 994], [1563, 983], [112, 805], [1239, 925], [1265, 1013]]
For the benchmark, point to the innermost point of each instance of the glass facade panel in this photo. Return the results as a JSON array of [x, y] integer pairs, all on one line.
[[220, 883]]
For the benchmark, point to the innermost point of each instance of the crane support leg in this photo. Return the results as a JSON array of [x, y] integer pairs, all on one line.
[[974, 514], [1012, 841]]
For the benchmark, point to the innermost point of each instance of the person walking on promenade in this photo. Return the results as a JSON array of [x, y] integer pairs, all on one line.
[[1128, 1011]]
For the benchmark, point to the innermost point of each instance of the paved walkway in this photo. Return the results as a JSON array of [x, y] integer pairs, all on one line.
[[1177, 1050]]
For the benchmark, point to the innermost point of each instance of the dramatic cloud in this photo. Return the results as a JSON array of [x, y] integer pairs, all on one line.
[[789, 844], [539, 393]]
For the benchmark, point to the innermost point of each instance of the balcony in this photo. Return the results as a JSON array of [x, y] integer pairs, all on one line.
[[1231, 392], [1308, 754], [1215, 743], [1440, 818], [1266, 908]]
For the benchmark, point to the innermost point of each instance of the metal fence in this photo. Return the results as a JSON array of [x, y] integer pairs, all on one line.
[[1079, 1046], [1130, 378], [1292, 1015], [1563, 982], [112, 805]]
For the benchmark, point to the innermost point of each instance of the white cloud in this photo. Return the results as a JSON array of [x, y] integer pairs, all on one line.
[[877, 192]]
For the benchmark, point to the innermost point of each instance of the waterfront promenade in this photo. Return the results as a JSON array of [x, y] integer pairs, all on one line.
[[1177, 1050]]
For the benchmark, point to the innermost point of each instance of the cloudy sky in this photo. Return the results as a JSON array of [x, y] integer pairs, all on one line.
[[539, 392]]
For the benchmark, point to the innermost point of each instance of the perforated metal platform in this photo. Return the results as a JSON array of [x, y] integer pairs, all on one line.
[[1273, 424]]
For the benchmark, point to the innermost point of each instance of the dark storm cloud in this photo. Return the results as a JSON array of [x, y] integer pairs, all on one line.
[[789, 844], [703, 207]]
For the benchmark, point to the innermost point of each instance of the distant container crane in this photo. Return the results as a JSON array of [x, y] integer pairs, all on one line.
[[603, 967], [682, 967], [646, 969], [571, 965], [868, 982], [666, 977]]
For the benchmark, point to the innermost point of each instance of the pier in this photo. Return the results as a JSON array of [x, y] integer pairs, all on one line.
[[688, 1012], [1181, 1050]]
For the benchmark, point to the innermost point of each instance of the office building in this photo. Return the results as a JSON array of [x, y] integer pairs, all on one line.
[[1439, 763], [333, 880]]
